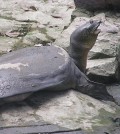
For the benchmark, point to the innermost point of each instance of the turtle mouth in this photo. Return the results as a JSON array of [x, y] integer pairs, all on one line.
[[95, 29]]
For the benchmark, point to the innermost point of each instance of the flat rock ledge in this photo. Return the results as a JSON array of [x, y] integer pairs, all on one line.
[[67, 109]]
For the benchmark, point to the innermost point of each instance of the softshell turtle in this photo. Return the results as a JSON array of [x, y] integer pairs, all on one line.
[[32, 69]]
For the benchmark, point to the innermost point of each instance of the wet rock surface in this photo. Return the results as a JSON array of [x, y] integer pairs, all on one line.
[[36, 22]]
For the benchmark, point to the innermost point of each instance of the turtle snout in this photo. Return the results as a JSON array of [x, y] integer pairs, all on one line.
[[99, 22], [94, 26]]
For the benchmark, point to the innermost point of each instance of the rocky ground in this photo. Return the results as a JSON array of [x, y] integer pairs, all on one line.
[[28, 23]]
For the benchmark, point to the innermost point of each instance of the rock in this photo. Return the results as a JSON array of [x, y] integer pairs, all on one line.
[[21, 17], [93, 5], [114, 90], [80, 13], [5, 26], [102, 70], [53, 31], [69, 109], [30, 16], [19, 31], [9, 27], [104, 47], [7, 44], [11, 33], [36, 37]]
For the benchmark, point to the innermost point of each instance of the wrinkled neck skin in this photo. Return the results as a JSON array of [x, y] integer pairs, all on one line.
[[78, 52], [79, 55]]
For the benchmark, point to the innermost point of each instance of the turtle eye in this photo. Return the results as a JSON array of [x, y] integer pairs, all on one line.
[[91, 21]]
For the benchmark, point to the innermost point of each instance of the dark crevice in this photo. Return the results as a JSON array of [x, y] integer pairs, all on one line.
[[77, 131]]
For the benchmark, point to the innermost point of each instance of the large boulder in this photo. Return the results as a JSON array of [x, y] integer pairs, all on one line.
[[102, 70], [98, 4], [69, 109]]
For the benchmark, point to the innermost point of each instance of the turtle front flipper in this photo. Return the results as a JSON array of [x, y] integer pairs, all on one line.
[[93, 89]]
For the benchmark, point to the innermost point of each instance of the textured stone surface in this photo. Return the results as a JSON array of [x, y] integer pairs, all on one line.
[[7, 44], [69, 109], [114, 90], [98, 4], [30, 19], [102, 70]]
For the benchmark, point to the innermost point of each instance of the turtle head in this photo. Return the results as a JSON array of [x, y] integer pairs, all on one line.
[[92, 27], [86, 35], [81, 41]]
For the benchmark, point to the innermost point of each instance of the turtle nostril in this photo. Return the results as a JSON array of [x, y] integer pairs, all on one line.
[[91, 21], [100, 21]]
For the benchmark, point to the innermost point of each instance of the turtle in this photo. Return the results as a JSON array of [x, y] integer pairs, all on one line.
[[31, 69]]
